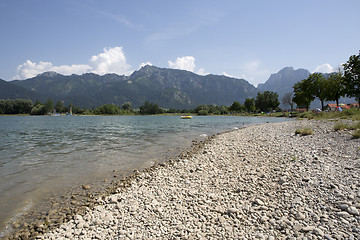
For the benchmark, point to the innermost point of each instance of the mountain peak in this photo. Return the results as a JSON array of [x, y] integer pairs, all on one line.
[[286, 69], [48, 74]]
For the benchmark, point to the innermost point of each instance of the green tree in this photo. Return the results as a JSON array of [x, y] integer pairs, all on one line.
[[107, 109], [203, 112], [249, 105], [236, 107], [335, 86], [352, 77], [201, 107], [318, 87], [59, 107], [49, 106], [39, 109], [303, 94], [150, 108], [224, 110], [18, 106], [127, 106], [267, 101]]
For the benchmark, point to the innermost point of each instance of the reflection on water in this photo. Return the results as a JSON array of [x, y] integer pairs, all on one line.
[[41, 154]]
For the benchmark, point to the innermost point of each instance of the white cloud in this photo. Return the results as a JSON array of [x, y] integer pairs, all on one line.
[[324, 68], [202, 72], [183, 63], [30, 69], [71, 69], [228, 75], [112, 60], [144, 64]]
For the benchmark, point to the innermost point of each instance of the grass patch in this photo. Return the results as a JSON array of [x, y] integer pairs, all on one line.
[[354, 126], [304, 131], [356, 134], [352, 114], [308, 115], [340, 126]]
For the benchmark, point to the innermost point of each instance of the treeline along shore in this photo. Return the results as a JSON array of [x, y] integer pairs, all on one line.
[[259, 182]]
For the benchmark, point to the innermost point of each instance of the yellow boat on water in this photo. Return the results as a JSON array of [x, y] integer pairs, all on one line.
[[186, 117]]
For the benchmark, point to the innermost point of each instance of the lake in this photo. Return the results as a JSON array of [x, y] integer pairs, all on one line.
[[42, 154]]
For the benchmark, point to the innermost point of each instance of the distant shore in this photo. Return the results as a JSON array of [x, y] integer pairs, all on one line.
[[260, 182]]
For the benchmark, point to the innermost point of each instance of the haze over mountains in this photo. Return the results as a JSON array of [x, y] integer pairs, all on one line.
[[169, 88]]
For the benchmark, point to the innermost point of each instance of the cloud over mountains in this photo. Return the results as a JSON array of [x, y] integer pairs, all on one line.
[[112, 60]]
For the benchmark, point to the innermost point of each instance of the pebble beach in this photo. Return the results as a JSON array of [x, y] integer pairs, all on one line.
[[259, 182]]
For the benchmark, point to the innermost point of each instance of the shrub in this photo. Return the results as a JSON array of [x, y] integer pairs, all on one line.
[[340, 126], [203, 112], [356, 134], [355, 126], [304, 131], [307, 115]]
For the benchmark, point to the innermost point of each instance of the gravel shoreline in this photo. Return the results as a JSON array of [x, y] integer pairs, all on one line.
[[260, 182]]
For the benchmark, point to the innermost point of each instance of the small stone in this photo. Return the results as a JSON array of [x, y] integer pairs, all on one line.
[[113, 199], [297, 200], [353, 211], [298, 227], [86, 187], [258, 202], [299, 216], [306, 179], [221, 220], [232, 210], [282, 180], [264, 219], [308, 228], [343, 207], [318, 232], [328, 237], [343, 214]]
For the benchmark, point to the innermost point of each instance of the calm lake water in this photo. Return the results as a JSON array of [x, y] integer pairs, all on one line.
[[39, 154]]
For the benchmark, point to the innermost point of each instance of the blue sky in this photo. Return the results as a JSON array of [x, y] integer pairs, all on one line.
[[244, 39]]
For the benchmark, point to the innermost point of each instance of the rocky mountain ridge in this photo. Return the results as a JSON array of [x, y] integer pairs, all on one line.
[[169, 88]]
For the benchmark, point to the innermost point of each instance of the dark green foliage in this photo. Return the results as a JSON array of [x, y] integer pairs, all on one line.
[[236, 107], [203, 112], [328, 88], [303, 94], [127, 106], [335, 87], [18, 106], [211, 109], [49, 106], [318, 87], [59, 107], [267, 101], [352, 77], [249, 105], [39, 109], [107, 109], [150, 108]]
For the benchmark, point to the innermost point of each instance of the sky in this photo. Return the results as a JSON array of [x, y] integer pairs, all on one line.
[[249, 39]]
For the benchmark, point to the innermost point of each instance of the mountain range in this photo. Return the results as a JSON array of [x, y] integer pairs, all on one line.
[[169, 88]]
